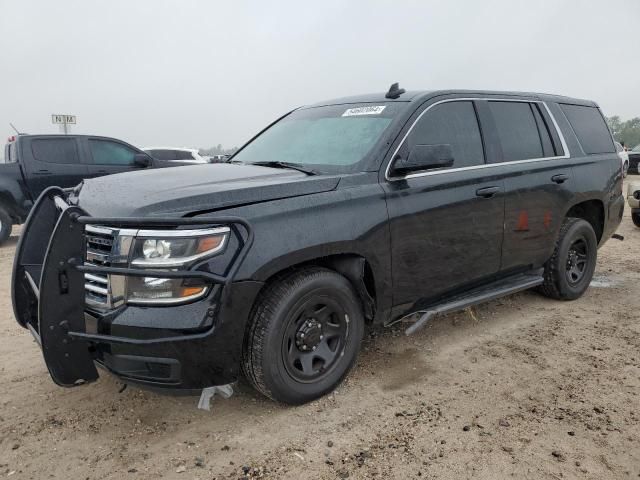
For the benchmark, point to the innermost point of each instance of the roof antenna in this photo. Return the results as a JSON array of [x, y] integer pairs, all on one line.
[[394, 91], [12, 126]]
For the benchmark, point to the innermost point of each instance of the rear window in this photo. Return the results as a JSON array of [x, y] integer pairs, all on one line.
[[590, 128], [518, 131], [55, 150]]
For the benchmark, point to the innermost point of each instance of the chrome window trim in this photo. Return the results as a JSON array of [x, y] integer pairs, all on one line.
[[565, 149]]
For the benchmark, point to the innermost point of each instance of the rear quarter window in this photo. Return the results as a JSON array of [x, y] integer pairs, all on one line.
[[55, 150], [590, 128]]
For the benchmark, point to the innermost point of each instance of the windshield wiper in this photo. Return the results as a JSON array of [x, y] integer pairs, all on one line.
[[293, 166]]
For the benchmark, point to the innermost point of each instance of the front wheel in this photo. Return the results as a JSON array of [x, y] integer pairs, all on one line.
[[304, 337], [635, 217], [568, 273]]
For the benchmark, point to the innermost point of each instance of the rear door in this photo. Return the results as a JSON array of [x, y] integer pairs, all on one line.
[[108, 156], [538, 180], [446, 224], [52, 160]]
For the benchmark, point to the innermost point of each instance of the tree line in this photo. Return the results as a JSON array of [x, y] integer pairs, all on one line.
[[626, 132]]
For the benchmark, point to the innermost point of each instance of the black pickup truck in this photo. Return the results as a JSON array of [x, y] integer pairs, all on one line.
[[365, 210], [33, 163]]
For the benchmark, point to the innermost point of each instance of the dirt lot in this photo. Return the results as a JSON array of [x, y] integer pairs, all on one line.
[[524, 387]]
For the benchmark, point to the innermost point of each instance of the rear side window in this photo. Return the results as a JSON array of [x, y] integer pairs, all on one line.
[[183, 155], [450, 123], [104, 152], [590, 128], [55, 150], [162, 154], [521, 136]]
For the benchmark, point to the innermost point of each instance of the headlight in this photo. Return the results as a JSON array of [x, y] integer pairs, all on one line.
[[170, 250], [176, 248]]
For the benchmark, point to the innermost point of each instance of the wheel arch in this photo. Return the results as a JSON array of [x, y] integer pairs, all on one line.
[[593, 212], [354, 267]]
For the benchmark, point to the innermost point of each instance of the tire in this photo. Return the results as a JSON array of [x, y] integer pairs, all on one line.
[[288, 321], [5, 225], [568, 273], [635, 216]]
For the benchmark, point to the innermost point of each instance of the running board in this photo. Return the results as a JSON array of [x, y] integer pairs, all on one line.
[[495, 290]]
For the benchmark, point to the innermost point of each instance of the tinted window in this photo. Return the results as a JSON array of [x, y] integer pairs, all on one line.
[[450, 123], [517, 130], [54, 150], [183, 155], [105, 152], [590, 128], [161, 154]]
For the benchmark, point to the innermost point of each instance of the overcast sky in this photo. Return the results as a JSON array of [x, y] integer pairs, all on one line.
[[199, 73]]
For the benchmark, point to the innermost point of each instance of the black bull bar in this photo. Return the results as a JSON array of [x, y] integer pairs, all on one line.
[[48, 292]]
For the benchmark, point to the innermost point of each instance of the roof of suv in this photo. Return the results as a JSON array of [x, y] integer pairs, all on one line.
[[421, 95]]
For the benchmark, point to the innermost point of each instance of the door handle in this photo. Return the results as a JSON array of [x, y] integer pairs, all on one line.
[[560, 178], [42, 172], [487, 192]]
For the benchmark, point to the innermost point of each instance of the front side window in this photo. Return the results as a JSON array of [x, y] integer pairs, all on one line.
[[590, 128], [332, 138], [105, 152], [449, 123], [55, 150], [518, 131]]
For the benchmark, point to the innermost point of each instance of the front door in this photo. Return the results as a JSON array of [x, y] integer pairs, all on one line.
[[106, 157], [446, 224]]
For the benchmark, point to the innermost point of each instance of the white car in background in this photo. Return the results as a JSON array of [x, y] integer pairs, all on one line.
[[184, 155], [624, 158]]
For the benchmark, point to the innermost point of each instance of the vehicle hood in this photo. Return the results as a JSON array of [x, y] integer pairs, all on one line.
[[184, 190]]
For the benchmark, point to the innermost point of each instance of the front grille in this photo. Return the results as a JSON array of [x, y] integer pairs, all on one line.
[[99, 244]]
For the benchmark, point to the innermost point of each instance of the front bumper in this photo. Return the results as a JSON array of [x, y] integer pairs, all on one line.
[[188, 347]]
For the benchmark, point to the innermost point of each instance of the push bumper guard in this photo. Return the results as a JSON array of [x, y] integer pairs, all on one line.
[[48, 283]]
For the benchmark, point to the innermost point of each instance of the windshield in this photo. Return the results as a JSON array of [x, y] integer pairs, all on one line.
[[330, 139]]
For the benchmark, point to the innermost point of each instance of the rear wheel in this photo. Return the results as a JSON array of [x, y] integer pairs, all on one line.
[[568, 273], [635, 216], [304, 337], [5, 225]]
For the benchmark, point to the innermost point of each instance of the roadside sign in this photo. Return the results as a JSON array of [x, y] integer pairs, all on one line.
[[63, 119]]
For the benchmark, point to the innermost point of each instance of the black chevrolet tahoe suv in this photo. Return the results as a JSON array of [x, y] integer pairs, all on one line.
[[33, 163], [363, 210]]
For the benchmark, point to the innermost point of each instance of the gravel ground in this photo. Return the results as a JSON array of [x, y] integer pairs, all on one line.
[[523, 387]]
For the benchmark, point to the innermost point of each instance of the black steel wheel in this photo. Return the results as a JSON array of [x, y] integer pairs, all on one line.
[[314, 338], [568, 273], [577, 261], [304, 335]]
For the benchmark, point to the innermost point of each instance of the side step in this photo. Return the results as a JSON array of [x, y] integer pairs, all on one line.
[[495, 290]]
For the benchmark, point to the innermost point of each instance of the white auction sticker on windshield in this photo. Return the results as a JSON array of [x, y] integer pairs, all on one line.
[[373, 110]]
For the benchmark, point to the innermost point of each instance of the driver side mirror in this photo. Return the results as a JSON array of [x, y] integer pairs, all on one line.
[[425, 157], [141, 160]]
